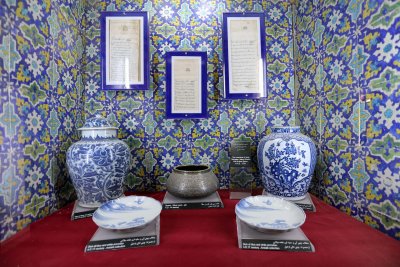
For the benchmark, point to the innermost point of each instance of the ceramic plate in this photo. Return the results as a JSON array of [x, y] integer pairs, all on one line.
[[269, 213], [127, 213]]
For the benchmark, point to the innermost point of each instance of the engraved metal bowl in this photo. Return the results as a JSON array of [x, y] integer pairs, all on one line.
[[192, 181]]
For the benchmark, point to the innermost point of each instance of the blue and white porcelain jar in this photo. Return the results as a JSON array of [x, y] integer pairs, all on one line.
[[98, 163], [286, 159]]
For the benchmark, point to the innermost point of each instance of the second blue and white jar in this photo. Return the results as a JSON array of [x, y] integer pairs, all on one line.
[[98, 163], [286, 159]]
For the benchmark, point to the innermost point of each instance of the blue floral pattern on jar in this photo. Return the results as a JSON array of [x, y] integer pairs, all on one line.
[[98, 167], [286, 161]]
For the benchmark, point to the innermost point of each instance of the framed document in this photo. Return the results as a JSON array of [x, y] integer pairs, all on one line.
[[243, 37], [186, 85], [124, 50]]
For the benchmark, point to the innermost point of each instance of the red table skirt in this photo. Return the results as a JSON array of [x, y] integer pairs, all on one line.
[[203, 237]]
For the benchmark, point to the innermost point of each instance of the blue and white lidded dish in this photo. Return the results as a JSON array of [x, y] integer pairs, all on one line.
[[98, 163]]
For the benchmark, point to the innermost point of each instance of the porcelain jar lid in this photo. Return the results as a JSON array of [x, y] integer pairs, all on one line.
[[97, 123]]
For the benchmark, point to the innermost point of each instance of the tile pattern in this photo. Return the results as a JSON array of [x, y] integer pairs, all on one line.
[[348, 58], [41, 104], [158, 144], [50, 81]]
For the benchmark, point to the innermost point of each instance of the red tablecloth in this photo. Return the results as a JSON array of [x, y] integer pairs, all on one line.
[[201, 238]]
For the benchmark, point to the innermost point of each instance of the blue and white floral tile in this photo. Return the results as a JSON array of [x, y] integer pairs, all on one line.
[[341, 178], [380, 190], [341, 118]]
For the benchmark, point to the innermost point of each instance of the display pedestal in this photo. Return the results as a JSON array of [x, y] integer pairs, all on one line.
[[79, 212], [293, 240], [306, 203], [104, 239], [210, 202]]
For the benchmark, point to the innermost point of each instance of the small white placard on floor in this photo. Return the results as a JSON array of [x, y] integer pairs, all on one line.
[[210, 202], [293, 240], [104, 239]]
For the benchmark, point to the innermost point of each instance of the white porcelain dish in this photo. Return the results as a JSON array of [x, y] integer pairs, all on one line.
[[127, 213], [265, 213]]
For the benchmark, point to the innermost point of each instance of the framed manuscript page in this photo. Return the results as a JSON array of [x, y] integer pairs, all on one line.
[[124, 50], [186, 85], [243, 37]]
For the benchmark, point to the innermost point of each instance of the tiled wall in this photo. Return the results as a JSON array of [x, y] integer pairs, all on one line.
[[348, 58], [159, 144], [48, 71], [40, 104]]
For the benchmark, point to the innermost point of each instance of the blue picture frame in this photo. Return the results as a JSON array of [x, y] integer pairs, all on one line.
[[177, 59], [236, 91], [139, 77]]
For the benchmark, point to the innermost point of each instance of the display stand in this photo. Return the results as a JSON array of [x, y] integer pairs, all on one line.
[[306, 203], [293, 240], [241, 170], [104, 239], [210, 202], [79, 212]]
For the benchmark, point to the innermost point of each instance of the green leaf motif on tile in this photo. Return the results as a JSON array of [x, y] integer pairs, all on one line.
[[34, 206], [33, 93], [224, 122], [130, 104], [52, 72], [67, 102], [385, 148], [386, 213], [9, 119], [386, 15], [54, 26], [35, 150], [336, 195], [93, 106], [203, 30], [359, 175], [167, 142], [260, 122], [388, 81], [278, 103], [334, 46], [187, 126], [276, 31], [133, 142], [307, 102], [67, 58], [276, 67], [358, 60], [186, 158], [337, 144], [133, 181], [185, 13], [337, 94], [166, 30], [32, 33], [149, 123], [149, 162], [223, 160], [10, 183], [185, 45], [53, 123], [320, 77], [205, 142], [242, 104], [9, 53], [319, 31]]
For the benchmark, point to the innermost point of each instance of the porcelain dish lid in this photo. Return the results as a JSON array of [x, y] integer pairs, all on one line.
[[270, 213], [97, 123], [127, 212]]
